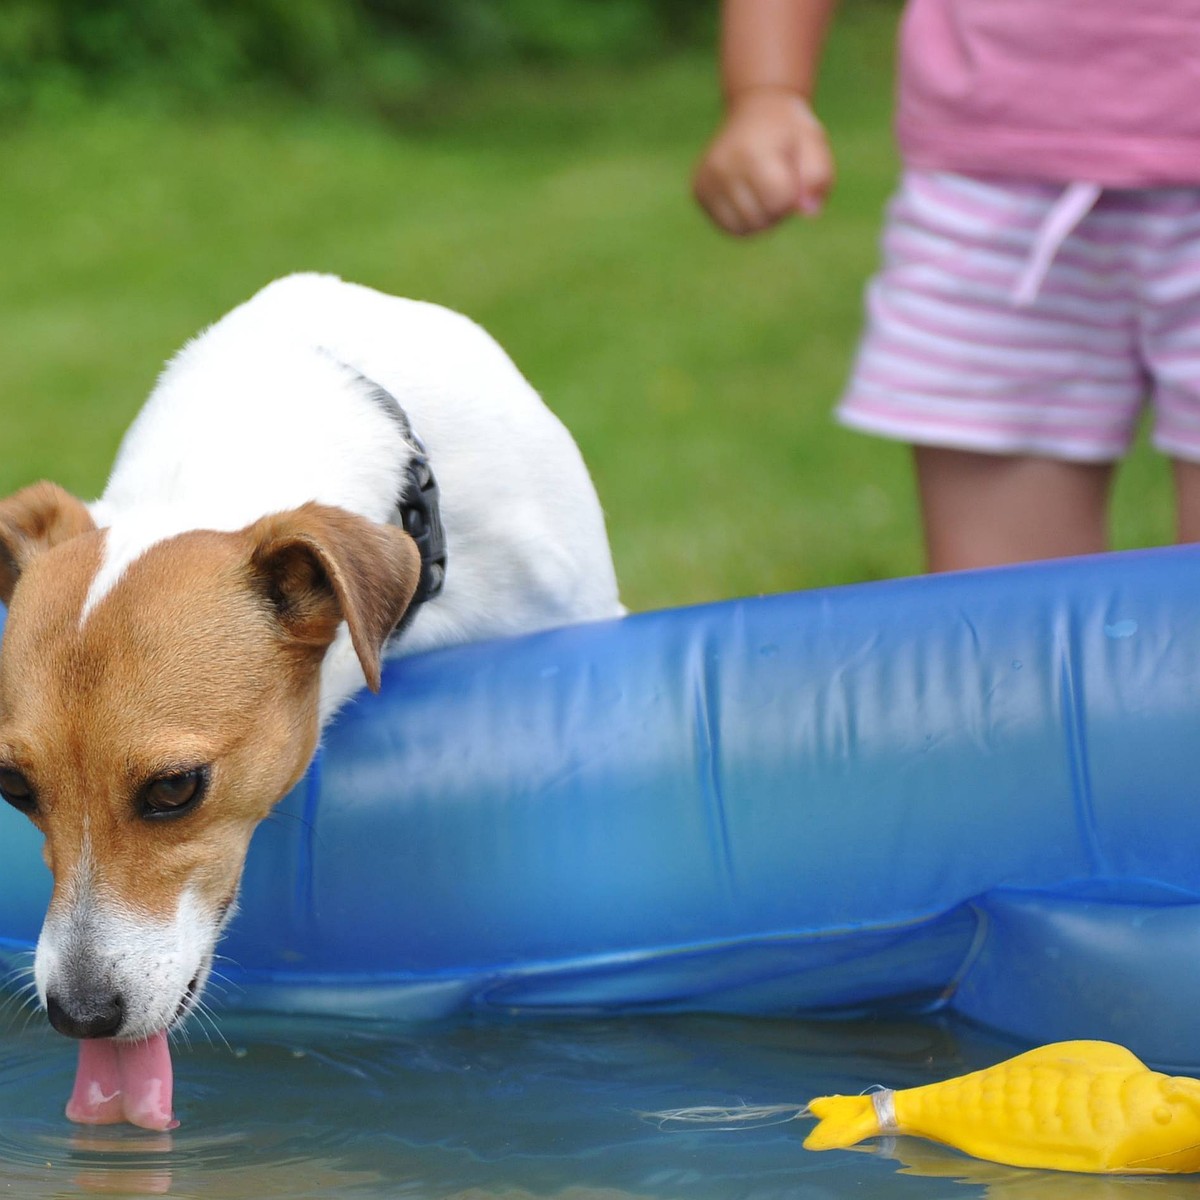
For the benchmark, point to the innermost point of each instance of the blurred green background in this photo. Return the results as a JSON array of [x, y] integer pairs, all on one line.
[[525, 161]]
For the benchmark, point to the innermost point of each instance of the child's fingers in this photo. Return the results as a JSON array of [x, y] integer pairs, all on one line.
[[711, 189], [725, 215], [745, 201], [775, 181], [729, 199]]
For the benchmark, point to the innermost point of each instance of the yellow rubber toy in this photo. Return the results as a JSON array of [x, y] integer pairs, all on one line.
[[1071, 1106]]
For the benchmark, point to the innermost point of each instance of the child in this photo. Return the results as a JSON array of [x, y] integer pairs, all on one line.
[[1041, 273]]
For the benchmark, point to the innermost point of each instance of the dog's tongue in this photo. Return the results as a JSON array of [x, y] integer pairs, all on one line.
[[123, 1081]]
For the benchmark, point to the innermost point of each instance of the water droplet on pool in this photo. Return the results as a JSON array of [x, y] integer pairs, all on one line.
[[1121, 629]]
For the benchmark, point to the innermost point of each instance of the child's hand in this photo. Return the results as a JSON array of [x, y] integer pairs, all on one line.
[[770, 158]]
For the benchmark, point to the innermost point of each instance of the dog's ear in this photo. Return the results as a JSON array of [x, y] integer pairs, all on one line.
[[33, 520], [318, 565]]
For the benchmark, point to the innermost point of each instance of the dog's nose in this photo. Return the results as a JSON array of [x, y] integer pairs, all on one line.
[[98, 1017]]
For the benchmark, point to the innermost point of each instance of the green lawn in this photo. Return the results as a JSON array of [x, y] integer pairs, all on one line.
[[697, 373]]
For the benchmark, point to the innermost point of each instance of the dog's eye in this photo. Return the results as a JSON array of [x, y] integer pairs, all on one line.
[[17, 790], [173, 795]]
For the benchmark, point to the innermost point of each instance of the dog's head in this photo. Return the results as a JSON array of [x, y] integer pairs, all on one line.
[[150, 718]]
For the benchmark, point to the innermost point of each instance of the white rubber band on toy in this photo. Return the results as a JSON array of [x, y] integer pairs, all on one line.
[[884, 1103]]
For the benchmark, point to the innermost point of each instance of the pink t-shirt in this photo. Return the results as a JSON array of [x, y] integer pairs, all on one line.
[[1106, 91]]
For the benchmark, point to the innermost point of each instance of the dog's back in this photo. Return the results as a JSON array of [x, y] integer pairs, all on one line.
[[272, 406]]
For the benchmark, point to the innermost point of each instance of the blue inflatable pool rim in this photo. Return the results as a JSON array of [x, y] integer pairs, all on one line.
[[974, 792]]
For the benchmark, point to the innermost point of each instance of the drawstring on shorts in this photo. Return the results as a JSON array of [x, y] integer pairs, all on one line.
[[1077, 200]]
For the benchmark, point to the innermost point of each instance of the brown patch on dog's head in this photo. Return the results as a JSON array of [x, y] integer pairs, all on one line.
[[204, 654]]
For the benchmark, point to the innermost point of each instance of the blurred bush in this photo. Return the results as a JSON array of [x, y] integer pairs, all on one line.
[[376, 53]]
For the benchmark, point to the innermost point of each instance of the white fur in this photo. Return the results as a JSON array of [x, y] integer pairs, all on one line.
[[94, 944], [258, 415]]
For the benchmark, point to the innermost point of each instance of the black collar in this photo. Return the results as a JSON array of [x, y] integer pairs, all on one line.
[[419, 514], [417, 509]]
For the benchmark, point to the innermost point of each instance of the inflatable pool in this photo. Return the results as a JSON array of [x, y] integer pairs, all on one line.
[[977, 792]]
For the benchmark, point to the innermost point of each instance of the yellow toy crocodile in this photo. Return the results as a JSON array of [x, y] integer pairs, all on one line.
[[1071, 1106]]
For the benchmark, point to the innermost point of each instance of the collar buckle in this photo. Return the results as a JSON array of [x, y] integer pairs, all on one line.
[[418, 513]]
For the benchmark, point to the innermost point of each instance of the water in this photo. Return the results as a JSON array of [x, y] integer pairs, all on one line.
[[507, 1111]]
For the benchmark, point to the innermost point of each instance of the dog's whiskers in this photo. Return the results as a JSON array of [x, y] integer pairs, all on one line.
[[210, 1025], [20, 994]]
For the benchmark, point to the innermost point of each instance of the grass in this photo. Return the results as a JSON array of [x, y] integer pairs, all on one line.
[[697, 373]]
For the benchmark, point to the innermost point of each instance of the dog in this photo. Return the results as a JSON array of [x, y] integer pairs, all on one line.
[[325, 477]]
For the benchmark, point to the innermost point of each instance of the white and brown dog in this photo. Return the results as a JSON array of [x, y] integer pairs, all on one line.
[[172, 649]]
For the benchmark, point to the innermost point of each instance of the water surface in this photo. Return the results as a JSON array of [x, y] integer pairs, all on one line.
[[507, 1111]]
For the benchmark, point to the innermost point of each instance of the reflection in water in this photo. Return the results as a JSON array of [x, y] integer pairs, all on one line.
[[132, 1163], [1013, 1183], [506, 1111]]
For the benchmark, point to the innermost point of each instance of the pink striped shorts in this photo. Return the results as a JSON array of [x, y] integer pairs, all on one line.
[[1019, 318]]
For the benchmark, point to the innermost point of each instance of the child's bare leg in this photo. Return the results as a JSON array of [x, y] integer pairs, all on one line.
[[984, 510], [1187, 500]]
